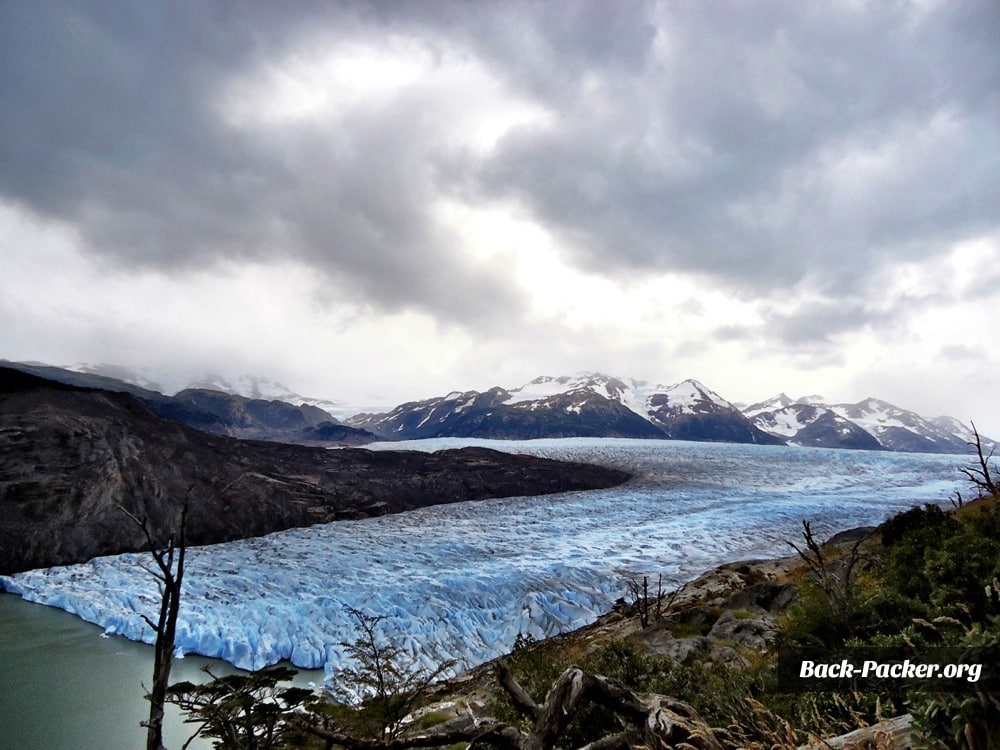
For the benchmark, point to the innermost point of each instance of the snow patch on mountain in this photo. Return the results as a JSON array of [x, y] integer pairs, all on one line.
[[812, 425], [874, 414], [690, 394], [133, 376], [784, 422], [899, 429], [546, 387], [772, 404], [636, 395], [811, 399], [964, 432]]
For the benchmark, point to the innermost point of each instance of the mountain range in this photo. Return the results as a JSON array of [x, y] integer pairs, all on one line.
[[592, 404], [870, 424], [586, 404]]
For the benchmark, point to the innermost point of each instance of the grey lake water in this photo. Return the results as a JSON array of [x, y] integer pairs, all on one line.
[[65, 687], [460, 580]]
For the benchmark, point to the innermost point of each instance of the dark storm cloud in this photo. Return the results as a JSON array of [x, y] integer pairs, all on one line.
[[107, 120], [765, 143], [112, 123], [758, 146], [813, 323]]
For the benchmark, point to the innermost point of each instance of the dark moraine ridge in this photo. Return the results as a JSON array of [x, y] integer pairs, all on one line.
[[71, 458]]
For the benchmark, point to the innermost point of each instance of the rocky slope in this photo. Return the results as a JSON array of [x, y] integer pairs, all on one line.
[[73, 457], [726, 617], [216, 411]]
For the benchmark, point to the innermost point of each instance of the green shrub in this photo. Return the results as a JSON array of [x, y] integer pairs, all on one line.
[[925, 522], [810, 622], [960, 721], [690, 629], [433, 718], [933, 573]]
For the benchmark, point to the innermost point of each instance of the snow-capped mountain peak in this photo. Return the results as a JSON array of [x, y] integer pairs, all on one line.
[[250, 386], [583, 404], [873, 413], [814, 425], [596, 404], [546, 386], [688, 394], [772, 404], [638, 396], [811, 399], [869, 424]]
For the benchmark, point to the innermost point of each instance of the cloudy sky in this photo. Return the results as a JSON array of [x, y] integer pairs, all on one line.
[[377, 202]]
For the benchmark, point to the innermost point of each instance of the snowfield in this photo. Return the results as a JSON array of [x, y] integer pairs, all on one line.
[[461, 581]]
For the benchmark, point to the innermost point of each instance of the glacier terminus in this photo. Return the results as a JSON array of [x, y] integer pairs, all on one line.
[[461, 581]]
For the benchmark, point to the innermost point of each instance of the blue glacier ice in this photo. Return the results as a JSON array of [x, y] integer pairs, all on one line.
[[461, 581]]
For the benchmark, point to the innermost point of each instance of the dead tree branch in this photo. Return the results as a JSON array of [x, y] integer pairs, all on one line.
[[837, 582], [169, 572], [655, 721], [980, 476]]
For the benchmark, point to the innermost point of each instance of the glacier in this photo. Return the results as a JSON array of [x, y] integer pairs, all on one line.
[[461, 581]]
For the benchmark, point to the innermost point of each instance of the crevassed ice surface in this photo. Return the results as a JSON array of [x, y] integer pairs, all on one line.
[[461, 581]]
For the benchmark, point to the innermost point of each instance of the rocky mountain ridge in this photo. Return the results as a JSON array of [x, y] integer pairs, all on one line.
[[592, 404], [216, 411], [871, 424], [584, 405], [247, 385], [74, 457]]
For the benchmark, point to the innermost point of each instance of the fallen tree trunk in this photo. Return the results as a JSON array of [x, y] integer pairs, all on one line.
[[892, 734]]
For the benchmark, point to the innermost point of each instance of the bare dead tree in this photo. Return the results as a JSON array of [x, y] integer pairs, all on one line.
[[836, 581], [385, 684], [957, 501], [659, 595], [464, 730], [639, 593], [650, 720], [640, 597], [169, 573], [980, 476]]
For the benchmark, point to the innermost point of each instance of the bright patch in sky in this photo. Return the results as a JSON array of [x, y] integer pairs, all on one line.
[[331, 86]]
